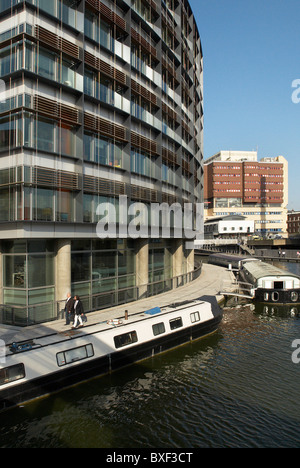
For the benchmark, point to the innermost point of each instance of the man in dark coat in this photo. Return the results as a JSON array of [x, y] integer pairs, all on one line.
[[69, 308]]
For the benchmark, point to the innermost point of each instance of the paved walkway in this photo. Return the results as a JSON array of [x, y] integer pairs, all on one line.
[[207, 286]]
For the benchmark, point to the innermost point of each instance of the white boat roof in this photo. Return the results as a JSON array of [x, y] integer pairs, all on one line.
[[261, 269]]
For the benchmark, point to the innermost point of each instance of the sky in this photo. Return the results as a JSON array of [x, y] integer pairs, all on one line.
[[251, 54]]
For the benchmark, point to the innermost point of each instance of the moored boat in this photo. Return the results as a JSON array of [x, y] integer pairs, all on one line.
[[268, 283], [48, 363], [271, 284]]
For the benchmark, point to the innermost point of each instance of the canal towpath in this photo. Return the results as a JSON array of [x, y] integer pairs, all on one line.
[[206, 287]]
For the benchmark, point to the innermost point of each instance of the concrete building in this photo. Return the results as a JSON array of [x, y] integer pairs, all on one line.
[[231, 226], [103, 99], [236, 183]]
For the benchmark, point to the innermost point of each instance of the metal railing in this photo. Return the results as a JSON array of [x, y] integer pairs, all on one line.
[[51, 311], [237, 288]]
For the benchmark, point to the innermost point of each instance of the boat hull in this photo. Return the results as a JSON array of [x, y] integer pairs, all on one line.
[[64, 378], [277, 296]]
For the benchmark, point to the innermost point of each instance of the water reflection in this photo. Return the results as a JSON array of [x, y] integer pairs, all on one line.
[[235, 388], [278, 310], [258, 308]]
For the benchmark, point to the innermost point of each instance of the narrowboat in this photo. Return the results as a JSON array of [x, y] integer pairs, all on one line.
[[49, 363], [268, 283]]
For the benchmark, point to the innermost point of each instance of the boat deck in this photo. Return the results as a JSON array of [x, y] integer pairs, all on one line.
[[206, 287]]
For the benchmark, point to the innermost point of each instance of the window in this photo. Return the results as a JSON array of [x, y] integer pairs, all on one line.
[[294, 296], [125, 339], [40, 270], [195, 317], [12, 373], [46, 64], [74, 355], [221, 203], [43, 205], [45, 135], [158, 328], [103, 151], [176, 323], [14, 271], [275, 296], [168, 174], [142, 163]]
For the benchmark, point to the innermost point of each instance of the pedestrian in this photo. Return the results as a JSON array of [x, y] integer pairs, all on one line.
[[298, 254], [78, 311], [69, 308]]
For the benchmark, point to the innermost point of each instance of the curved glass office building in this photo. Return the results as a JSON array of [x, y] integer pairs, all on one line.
[[101, 117]]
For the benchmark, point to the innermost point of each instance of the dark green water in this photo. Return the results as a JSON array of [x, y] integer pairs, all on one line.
[[236, 388]]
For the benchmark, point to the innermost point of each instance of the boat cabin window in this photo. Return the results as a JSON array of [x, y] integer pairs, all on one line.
[[125, 339], [12, 373], [294, 296], [195, 317], [275, 296], [74, 355], [158, 328], [176, 323], [278, 285]]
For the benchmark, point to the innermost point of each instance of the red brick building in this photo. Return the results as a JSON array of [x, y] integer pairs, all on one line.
[[293, 222], [237, 183]]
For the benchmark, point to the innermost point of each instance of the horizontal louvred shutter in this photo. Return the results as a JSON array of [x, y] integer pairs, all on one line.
[[142, 193], [69, 48], [105, 68], [169, 157], [97, 185], [56, 110], [46, 36], [140, 41], [143, 143], [69, 114], [104, 127], [43, 177], [144, 92], [45, 106], [56, 42], [107, 13], [170, 199], [170, 112]]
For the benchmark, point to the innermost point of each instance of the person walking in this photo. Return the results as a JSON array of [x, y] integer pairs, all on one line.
[[78, 311], [69, 308]]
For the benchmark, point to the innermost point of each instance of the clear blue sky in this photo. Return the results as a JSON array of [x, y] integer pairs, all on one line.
[[251, 57]]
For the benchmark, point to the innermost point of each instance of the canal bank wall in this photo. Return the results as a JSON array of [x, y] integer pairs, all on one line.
[[206, 287]]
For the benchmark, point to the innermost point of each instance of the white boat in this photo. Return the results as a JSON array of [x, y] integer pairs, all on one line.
[[52, 362], [269, 284]]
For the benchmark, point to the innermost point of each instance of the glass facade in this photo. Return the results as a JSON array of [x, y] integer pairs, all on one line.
[[28, 281], [102, 151], [101, 270], [102, 100]]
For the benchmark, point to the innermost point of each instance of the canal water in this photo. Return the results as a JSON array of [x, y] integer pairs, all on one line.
[[236, 388]]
